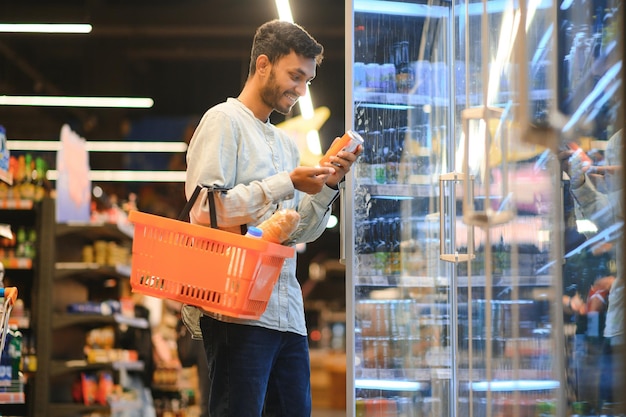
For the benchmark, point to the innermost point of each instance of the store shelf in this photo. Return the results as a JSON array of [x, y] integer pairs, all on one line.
[[95, 230], [12, 398], [16, 204], [474, 281], [61, 320], [17, 263], [59, 367], [70, 409], [401, 190], [86, 270]]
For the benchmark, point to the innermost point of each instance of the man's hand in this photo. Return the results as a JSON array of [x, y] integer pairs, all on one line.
[[310, 180], [341, 163], [575, 165]]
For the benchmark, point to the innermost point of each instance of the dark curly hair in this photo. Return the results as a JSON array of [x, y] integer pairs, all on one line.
[[278, 38]]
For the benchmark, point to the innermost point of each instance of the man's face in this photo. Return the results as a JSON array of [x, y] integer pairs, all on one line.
[[287, 82]]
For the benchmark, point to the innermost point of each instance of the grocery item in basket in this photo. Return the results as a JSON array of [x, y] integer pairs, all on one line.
[[280, 226]]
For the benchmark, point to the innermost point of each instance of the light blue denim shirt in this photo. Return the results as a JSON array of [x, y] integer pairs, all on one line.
[[232, 148]]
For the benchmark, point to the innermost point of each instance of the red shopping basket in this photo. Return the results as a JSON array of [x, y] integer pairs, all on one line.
[[217, 271]]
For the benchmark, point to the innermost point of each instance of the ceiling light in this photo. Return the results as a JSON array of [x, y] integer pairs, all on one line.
[[45, 28], [128, 176], [306, 104], [65, 101], [284, 10], [99, 146]]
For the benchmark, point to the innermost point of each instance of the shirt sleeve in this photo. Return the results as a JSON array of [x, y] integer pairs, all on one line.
[[314, 212], [212, 161], [602, 209]]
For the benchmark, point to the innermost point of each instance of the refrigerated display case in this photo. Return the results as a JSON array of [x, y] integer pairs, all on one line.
[[459, 224]]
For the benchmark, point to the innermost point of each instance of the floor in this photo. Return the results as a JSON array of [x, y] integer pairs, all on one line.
[[324, 412]]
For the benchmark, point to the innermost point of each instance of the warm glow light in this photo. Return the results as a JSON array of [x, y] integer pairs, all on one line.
[[63, 101], [45, 28], [313, 142], [332, 221], [305, 103]]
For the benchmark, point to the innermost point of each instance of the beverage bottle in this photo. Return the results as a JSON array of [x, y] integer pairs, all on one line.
[[5, 159], [405, 76], [27, 188], [381, 248], [378, 158], [363, 164], [395, 256], [349, 142], [5, 364], [15, 352], [366, 249], [39, 178], [254, 232], [393, 156]]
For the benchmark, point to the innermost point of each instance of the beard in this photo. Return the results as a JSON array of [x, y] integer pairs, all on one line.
[[272, 95]]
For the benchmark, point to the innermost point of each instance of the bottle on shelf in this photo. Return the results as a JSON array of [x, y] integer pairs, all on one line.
[[392, 158], [378, 157], [381, 247], [405, 75], [27, 188]]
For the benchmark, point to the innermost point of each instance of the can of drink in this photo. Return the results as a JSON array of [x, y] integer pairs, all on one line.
[[360, 79], [349, 142], [388, 78], [373, 76]]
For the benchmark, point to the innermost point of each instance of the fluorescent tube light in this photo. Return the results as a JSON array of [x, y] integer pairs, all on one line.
[[518, 385], [45, 28], [63, 101], [388, 385], [305, 103], [128, 176], [284, 10], [99, 146]]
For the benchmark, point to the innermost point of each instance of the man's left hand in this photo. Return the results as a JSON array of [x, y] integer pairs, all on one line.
[[341, 163]]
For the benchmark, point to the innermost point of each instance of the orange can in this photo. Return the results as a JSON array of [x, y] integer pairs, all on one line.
[[574, 147], [349, 142]]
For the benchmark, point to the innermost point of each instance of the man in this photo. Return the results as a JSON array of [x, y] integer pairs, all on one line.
[[606, 212], [261, 367]]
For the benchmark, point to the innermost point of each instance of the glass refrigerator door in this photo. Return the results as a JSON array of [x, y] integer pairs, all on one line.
[[465, 241], [590, 101], [398, 288], [510, 330]]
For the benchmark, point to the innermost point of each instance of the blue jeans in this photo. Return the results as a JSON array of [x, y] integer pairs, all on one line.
[[254, 371]]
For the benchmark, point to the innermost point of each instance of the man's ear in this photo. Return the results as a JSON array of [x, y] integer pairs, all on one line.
[[262, 64]]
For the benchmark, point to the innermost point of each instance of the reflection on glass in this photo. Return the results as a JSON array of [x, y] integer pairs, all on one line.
[[486, 271]]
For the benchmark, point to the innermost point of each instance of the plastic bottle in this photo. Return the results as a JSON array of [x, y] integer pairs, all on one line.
[[4, 150], [254, 232], [15, 352]]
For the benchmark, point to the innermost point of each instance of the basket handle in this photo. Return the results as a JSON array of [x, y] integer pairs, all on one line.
[[184, 214]]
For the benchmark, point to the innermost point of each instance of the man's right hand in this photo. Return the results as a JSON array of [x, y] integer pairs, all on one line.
[[310, 180]]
